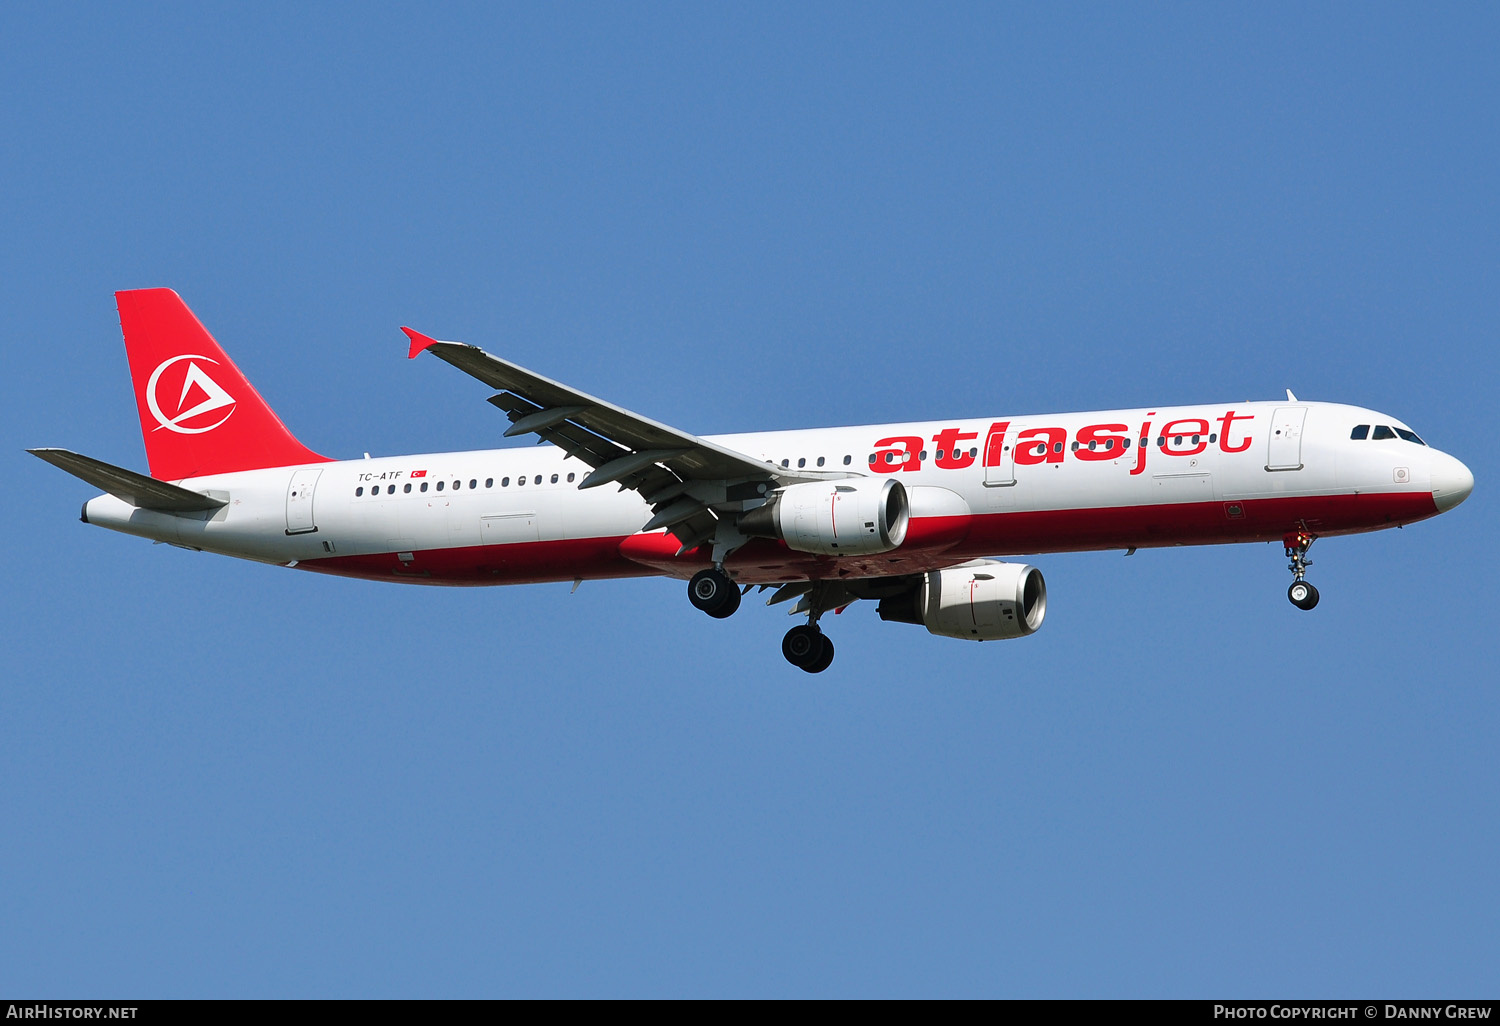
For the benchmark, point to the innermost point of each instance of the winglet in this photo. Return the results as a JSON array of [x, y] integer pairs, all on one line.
[[419, 342]]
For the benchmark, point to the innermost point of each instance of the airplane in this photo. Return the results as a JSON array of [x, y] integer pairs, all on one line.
[[909, 516]]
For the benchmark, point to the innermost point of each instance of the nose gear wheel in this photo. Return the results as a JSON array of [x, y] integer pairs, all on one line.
[[1301, 594]]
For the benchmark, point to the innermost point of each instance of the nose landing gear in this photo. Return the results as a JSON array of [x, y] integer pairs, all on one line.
[[1302, 594]]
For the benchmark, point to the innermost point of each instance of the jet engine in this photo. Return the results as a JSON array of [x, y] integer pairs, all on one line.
[[985, 600], [847, 517]]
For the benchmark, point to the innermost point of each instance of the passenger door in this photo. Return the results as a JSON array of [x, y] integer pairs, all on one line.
[[1285, 451], [299, 501]]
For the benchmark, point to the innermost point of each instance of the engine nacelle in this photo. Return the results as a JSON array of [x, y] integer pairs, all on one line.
[[984, 601], [853, 516]]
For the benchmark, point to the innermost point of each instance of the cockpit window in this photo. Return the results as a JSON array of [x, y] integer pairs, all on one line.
[[1410, 436], [1382, 433], [1360, 432]]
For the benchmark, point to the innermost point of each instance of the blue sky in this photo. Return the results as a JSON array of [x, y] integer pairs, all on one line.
[[223, 779]]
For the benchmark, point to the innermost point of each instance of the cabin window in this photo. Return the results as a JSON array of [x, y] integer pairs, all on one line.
[[538, 479], [520, 480], [872, 459], [390, 489], [802, 463], [1360, 432], [1093, 445], [457, 485], [424, 486], [489, 482], [1213, 438], [440, 486], [847, 460], [570, 479], [473, 483], [1196, 439], [1057, 447], [406, 488], [820, 461], [1382, 433], [554, 479], [505, 482], [359, 491], [786, 463]]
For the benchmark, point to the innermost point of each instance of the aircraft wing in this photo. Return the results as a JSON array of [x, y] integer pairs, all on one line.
[[683, 477]]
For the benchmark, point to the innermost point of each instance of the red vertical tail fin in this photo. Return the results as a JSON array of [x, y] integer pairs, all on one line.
[[198, 413]]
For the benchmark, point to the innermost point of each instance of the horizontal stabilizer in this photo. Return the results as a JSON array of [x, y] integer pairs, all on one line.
[[136, 489]]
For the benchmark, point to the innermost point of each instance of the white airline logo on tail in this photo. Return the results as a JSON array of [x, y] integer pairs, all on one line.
[[214, 397]]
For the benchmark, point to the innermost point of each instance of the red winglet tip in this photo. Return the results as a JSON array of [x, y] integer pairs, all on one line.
[[419, 342]]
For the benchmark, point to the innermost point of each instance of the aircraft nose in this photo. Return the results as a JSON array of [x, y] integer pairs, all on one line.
[[1451, 482]]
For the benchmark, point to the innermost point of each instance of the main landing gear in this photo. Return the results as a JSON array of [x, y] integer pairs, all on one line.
[[805, 647], [1301, 594], [713, 592]]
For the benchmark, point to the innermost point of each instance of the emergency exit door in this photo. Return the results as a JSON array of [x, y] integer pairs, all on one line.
[[1000, 455]]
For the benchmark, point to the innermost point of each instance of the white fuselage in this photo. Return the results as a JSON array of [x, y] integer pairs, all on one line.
[[1019, 484]]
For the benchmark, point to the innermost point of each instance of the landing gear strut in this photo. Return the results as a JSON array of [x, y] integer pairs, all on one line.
[[713, 592], [1301, 594], [807, 648]]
